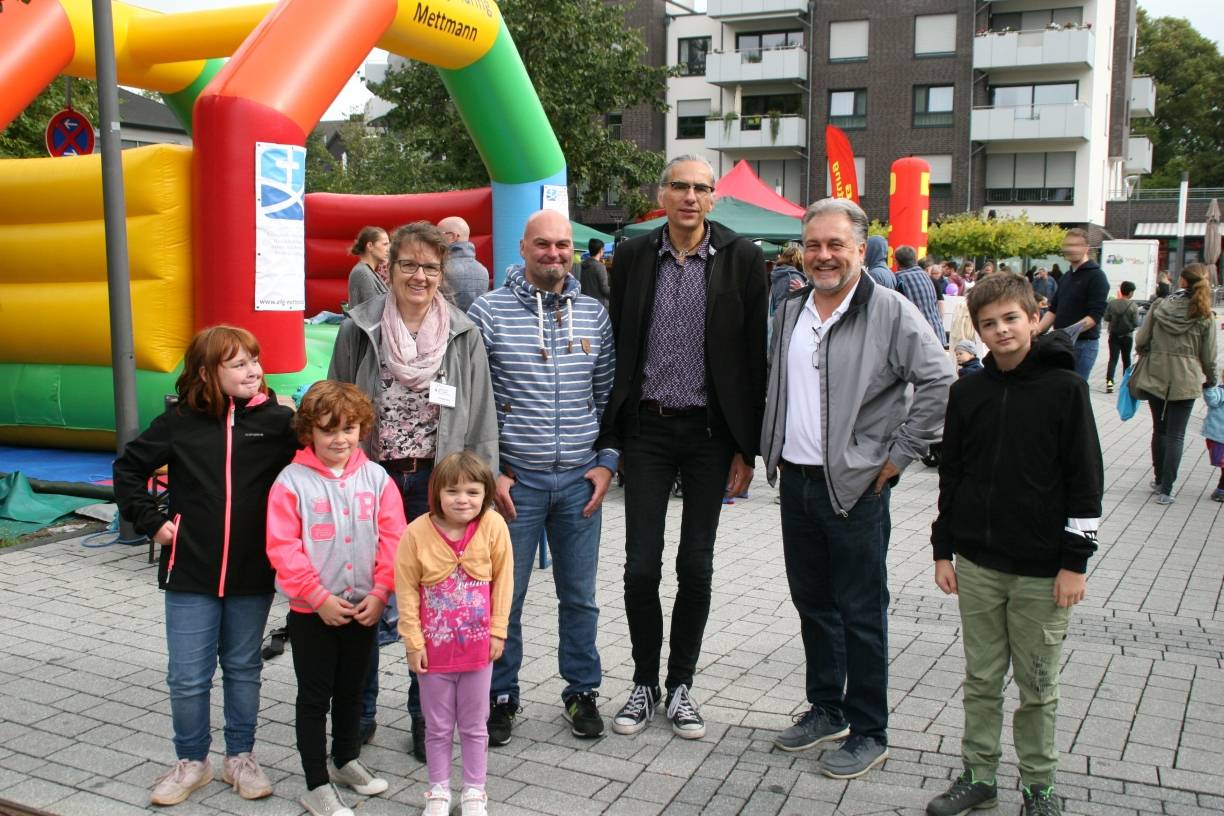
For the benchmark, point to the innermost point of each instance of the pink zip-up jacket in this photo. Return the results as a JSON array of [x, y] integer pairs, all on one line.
[[333, 535]]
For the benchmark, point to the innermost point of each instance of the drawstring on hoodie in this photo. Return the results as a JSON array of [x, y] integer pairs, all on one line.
[[569, 306], [540, 323]]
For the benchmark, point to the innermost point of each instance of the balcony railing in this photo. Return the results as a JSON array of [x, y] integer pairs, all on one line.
[[1047, 47], [1138, 155], [1173, 193], [1066, 120], [753, 65], [1143, 97], [754, 9], [756, 132]]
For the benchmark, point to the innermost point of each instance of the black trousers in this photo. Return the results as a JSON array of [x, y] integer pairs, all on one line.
[[1119, 345], [665, 447], [1169, 420], [331, 663]]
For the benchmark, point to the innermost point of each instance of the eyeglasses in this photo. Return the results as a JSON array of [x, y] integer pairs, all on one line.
[[683, 187], [431, 270]]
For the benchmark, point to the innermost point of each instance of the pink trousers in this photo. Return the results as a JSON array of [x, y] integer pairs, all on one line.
[[451, 700]]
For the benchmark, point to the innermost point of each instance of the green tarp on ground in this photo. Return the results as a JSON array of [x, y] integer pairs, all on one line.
[[24, 511], [748, 220]]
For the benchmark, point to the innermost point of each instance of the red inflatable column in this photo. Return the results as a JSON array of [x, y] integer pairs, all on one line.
[[909, 196]]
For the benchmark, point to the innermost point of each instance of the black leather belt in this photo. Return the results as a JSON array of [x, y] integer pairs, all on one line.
[[813, 472], [408, 464], [656, 408]]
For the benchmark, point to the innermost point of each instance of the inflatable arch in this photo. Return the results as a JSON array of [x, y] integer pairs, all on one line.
[[192, 211]]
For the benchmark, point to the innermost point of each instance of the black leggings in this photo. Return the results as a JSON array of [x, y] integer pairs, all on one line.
[[1169, 420], [1119, 346]]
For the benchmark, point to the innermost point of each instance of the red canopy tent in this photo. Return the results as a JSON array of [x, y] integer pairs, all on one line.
[[742, 183]]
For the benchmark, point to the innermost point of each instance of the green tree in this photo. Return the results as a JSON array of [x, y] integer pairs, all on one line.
[[1187, 131], [967, 235], [376, 163], [25, 136], [583, 61]]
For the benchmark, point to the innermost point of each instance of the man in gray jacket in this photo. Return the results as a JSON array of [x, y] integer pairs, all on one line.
[[466, 277], [844, 353]]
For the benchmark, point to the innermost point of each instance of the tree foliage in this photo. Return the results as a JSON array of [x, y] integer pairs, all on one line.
[[25, 136], [966, 235], [1187, 131], [377, 163], [583, 61]]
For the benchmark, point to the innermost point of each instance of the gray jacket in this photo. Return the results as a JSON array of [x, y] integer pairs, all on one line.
[[471, 424], [868, 360], [467, 277]]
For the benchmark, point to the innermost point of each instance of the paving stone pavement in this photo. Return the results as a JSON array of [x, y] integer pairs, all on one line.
[[84, 724]]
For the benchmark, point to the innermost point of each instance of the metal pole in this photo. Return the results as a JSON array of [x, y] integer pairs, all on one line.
[[118, 282], [1182, 199]]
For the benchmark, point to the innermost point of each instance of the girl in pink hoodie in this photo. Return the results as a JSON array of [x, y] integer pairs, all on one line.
[[334, 520]]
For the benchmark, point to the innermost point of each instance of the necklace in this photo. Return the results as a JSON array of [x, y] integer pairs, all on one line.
[[683, 254]]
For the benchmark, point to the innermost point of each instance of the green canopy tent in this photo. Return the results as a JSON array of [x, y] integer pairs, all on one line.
[[583, 235], [746, 219]]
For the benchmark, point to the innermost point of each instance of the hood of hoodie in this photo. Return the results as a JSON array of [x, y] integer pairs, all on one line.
[[1172, 314], [1050, 350], [877, 252], [462, 249], [307, 457], [781, 272], [525, 291]]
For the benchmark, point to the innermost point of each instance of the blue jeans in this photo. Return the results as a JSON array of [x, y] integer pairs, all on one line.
[[837, 571], [200, 631], [414, 489], [574, 544], [1085, 356]]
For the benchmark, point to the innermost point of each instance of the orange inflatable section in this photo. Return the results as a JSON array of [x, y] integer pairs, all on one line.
[[36, 44]]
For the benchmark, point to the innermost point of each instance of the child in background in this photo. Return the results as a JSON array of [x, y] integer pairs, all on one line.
[[1122, 315], [1213, 429], [966, 358], [1043, 305], [224, 442], [334, 519], [454, 578], [1019, 504]]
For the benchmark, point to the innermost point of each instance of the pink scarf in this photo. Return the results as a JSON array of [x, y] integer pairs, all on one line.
[[415, 361]]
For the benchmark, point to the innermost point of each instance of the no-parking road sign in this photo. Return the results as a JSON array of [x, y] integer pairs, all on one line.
[[69, 133]]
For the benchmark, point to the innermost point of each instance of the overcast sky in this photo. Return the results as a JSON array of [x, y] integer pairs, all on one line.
[[1205, 15]]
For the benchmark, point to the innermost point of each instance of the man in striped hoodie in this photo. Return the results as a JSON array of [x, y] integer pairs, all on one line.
[[551, 356]]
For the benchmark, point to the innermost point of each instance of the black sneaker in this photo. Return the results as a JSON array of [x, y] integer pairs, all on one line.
[[1039, 800], [502, 712], [583, 715], [637, 711], [966, 794], [682, 711], [811, 728], [418, 739], [1109, 386]]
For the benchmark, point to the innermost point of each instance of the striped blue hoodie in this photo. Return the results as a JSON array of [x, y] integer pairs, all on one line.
[[552, 358]]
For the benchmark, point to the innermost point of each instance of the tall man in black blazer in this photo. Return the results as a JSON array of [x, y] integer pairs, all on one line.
[[688, 310]]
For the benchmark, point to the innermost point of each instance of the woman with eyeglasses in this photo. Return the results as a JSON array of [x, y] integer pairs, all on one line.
[[423, 363]]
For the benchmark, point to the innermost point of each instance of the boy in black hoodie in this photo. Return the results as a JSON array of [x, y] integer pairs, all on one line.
[[1019, 502]]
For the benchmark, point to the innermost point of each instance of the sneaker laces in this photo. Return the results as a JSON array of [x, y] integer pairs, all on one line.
[[681, 705], [638, 702], [177, 772], [1043, 797], [961, 788], [242, 765]]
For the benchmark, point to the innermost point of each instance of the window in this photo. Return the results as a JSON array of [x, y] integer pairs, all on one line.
[[691, 53], [1030, 178], [613, 120], [848, 109], [934, 35], [691, 115], [757, 109], [933, 105], [860, 172], [751, 45], [1037, 20], [941, 175], [848, 41], [1024, 97]]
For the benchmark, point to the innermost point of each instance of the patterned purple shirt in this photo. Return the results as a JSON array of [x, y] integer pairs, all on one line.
[[675, 373]]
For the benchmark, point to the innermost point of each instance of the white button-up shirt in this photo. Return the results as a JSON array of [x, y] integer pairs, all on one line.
[[803, 442]]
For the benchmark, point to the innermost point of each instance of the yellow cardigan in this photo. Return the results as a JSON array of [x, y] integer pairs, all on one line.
[[424, 559]]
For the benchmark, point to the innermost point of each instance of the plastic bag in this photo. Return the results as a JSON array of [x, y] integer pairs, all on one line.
[[1127, 404]]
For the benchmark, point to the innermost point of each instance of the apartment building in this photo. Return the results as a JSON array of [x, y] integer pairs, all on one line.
[[1017, 105]]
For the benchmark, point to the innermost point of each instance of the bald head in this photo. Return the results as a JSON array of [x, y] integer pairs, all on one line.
[[455, 229], [547, 248]]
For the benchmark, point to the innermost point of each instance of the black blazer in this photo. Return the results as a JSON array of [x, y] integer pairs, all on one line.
[[737, 298]]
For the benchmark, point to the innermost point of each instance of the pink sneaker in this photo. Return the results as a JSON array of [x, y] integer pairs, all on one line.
[[245, 776], [176, 784]]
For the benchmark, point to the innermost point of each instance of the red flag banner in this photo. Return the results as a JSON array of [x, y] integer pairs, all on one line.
[[843, 179]]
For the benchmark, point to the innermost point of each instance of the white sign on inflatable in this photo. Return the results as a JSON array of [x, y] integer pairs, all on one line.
[[280, 227]]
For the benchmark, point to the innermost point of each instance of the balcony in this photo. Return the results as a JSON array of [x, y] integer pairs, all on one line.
[[1138, 155], [756, 134], [733, 11], [1143, 97], [753, 66], [1061, 121], [1044, 48]]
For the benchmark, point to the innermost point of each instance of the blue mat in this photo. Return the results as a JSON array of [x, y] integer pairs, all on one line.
[[52, 465]]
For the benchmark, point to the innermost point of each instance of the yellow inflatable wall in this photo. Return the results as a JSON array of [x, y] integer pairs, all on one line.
[[53, 300]]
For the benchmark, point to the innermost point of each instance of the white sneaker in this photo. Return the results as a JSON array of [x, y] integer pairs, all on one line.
[[474, 803], [243, 774], [176, 784], [358, 777], [437, 801], [325, 801]]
